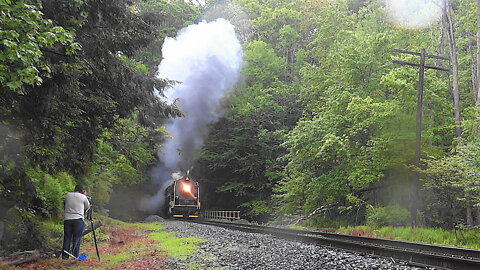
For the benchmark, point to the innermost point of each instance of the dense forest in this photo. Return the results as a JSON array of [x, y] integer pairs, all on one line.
[[322, 126]]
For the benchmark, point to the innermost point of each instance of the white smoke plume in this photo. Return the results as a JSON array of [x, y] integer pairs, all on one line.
[[206, 59], [415, 13]]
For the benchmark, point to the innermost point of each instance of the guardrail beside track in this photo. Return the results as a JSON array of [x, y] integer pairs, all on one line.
[[423, 255], [230, 215]]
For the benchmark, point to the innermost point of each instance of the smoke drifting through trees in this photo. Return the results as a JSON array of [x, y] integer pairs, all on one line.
[[205, 58], [415, 14]]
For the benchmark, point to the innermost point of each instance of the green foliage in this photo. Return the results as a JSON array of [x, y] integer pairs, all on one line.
[[24, 33], [79, 99], [331, 156], [88, 90], [325, 223], [263, 66], [256, 208], [452, 181], [50, 189], [122, 157], [92, 84], [135, 65], [391, 215], [333, 59], [52, 230], [330, 62]]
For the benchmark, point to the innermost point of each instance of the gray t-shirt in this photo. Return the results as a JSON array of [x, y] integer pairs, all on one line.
[[76, 204]]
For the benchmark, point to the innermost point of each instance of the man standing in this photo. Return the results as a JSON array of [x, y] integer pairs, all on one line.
[[76, 205]]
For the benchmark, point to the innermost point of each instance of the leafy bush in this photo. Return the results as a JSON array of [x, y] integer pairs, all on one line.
[[258, 210], [392, 215], [324, 223], [50, 189], [257, 207]]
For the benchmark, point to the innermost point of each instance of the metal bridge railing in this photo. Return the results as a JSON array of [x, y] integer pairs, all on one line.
[[230, 215]]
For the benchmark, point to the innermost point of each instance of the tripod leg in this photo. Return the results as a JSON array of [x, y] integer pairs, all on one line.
[[95, 239]]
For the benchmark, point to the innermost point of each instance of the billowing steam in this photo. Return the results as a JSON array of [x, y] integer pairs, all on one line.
[[415, 13], [206, 59]]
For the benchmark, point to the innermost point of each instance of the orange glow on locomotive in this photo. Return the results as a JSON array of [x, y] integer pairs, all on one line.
[[187, 189]]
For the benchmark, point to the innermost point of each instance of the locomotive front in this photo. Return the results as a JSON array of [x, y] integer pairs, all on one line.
[[184, 199]]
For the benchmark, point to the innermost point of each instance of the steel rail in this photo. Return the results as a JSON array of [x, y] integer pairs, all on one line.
[[417, 254]]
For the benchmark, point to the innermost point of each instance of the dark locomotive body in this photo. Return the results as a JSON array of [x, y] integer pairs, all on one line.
[[183, 198]]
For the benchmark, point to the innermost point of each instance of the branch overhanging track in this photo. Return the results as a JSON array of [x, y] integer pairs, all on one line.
[[416, 254]]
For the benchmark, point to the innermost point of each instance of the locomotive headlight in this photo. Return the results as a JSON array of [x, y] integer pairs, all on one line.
[[187, 189]]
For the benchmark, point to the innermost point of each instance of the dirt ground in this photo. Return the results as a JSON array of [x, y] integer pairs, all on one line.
[[120, 247]]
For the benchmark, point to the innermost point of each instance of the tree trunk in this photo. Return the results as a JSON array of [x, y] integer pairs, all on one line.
[[477, 85], [477, 222], [469, 213], [472, 53], [447, 19], [21, 258], [319, 210], [2, 229], [441, 44], [88, 230]]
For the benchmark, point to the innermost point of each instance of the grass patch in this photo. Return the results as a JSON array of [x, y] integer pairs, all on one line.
[[175, 247], [118, 258], [460, 238]]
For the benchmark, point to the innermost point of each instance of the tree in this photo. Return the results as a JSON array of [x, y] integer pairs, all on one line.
[[477, 91], [83, 93], [450, 33], [87, 91], [333, 157], [453, 181], [25, 35]]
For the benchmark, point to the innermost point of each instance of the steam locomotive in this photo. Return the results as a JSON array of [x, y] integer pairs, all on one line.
[[183, 198]]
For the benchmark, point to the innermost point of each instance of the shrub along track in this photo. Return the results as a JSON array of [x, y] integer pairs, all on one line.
[[423, 255]]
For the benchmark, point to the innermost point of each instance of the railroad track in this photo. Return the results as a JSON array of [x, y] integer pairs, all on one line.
[[416, 254]]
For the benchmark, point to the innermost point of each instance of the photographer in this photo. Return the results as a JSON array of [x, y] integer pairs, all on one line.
[[76, 205]]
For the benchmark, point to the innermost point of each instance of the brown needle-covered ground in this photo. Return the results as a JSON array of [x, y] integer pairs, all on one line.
[[121, 246]]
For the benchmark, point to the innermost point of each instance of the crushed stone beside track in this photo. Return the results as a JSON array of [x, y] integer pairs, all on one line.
[[228, 249]]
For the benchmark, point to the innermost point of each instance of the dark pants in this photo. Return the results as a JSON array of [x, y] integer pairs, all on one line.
[[72, 233]]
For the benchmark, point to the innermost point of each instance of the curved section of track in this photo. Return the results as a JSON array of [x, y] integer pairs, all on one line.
[[423, 255]]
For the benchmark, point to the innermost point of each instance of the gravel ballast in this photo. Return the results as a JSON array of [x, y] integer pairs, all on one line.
[[228, 249]]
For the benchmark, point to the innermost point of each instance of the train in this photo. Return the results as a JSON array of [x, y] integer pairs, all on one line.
[[183, 198]]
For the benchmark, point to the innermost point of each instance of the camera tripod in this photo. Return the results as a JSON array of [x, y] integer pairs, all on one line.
[[89, 217]]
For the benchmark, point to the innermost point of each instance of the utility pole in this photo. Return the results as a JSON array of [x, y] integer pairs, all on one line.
[[418, 135]]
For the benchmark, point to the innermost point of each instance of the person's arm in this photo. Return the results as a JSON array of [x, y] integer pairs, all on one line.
[[86, 204]]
